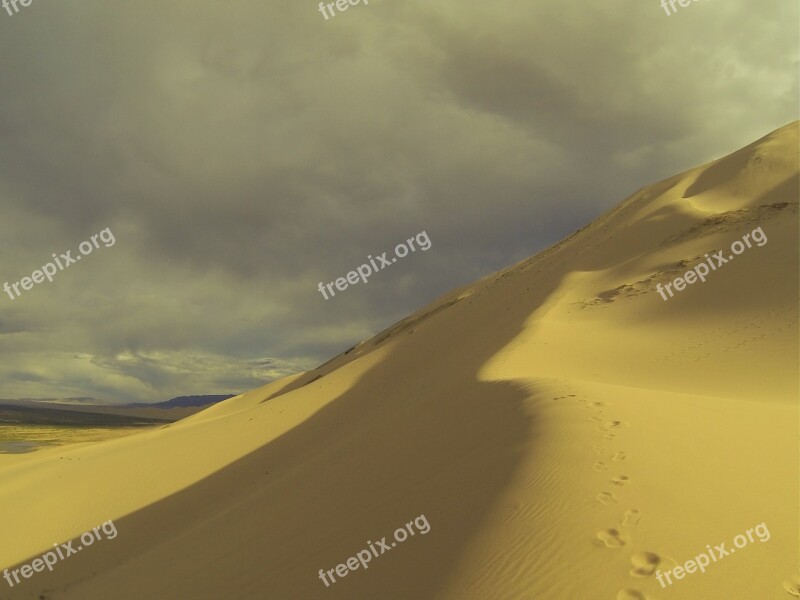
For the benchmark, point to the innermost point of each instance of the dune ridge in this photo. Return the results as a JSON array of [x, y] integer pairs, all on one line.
[[564, 430]]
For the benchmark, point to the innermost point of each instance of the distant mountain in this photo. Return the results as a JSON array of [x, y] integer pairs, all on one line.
[[185, 401], [83, 400], [179, 402], [34, 414], [79, 412]]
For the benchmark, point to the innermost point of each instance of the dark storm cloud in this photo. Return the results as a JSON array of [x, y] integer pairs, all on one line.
[[243, 152]]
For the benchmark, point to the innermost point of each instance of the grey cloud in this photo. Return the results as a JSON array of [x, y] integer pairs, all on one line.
[[242, 155]]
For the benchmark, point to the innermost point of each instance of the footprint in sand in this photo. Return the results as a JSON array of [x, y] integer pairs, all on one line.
[[620, 480], [644, 564], [609, 436], [792, 586], [611, 538], [631, 518], [630, 594], [599, 403], [606, 498], [600, 466], [598, 449], [608, 425], [620, 456]]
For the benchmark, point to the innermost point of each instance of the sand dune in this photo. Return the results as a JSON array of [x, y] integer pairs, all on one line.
[[564, 430]]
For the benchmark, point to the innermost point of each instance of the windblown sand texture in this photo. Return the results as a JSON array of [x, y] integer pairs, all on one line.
[[565, 431]]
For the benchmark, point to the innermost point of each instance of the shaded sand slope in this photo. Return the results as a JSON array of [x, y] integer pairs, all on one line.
[[560, 425]]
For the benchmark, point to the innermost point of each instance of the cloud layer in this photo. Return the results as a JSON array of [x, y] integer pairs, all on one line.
[[243, 152]]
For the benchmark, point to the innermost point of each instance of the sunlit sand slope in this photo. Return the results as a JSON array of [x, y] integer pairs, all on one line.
[[565, 431]]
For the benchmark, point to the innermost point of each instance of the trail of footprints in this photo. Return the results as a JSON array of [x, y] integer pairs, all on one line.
[[643, 564]]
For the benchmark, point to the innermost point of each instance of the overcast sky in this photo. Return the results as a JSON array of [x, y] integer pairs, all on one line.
[[242, 152]]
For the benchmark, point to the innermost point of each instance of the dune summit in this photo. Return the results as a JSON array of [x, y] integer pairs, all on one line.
[[566, 433]]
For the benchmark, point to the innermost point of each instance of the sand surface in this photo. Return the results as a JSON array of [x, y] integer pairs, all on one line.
[[563, 429]]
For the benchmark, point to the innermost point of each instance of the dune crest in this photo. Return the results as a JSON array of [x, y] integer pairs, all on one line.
[[561, 426]]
